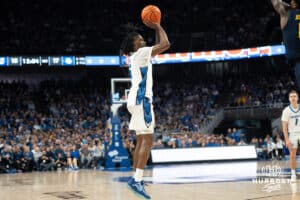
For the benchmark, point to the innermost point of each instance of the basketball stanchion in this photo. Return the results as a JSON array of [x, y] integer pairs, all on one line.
[[116, 155]]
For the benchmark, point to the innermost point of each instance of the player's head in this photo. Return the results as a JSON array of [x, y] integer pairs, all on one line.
[[295, 3], [131, 43], [293, 97]]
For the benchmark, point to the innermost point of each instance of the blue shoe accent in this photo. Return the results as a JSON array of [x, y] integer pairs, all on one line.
[[130, 181], [138, 188], [144, 184]]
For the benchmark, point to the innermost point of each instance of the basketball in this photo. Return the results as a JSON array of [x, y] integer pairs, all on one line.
[[151, 13]]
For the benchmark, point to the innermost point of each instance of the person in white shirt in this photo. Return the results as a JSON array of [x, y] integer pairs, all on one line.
[[36, 156], [271, 148], [291, 129], [139, 102], [279, 147]]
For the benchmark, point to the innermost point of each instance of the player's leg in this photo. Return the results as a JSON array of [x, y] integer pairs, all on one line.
[[136, 183], [69, 160], [143, 155], [136, 151], [293, 151], [145, 141], [75, 163]]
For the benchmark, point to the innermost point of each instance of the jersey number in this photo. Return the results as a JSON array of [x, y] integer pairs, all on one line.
[[296, 122]]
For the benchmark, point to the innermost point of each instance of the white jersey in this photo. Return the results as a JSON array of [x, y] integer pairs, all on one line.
[[279, 144], [292, 116], [141, 77]]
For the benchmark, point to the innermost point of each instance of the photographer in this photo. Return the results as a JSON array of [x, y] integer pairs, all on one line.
[[61, 161], [45, 161]]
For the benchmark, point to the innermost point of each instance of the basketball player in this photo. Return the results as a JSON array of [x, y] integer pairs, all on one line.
[[139, 102], [291, 129], [290, 26]]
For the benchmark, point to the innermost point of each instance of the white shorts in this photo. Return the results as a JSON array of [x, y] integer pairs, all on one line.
[[137, 121], [294, 138]]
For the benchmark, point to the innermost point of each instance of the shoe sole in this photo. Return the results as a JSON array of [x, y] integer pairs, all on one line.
[[137, 194]]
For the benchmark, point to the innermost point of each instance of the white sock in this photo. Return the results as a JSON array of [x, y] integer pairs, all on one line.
[[293, 172], [138, 176]]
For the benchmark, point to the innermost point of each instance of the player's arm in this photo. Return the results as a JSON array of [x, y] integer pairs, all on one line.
[[285, 119], [161, 42], [157, 38], [285, 133], [280, 7], [285, 129]]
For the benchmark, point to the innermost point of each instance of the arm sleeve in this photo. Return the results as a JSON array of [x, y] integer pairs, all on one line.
[[143, 56], [284, 116]]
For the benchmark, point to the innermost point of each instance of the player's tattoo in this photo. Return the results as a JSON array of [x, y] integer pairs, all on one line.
[[280, 7]]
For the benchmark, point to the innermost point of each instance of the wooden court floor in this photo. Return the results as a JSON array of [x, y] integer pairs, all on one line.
[[209, 181]]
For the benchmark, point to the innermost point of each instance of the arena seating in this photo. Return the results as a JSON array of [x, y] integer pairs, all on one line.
[[94, 27]]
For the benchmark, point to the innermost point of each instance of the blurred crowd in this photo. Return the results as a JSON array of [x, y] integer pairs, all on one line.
[[186, 139], [60, 124], [182, 107], [63, 124], [80, 27], [267, 148], [259, 90]]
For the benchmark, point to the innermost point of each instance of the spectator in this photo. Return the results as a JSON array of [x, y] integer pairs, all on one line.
[[98, 155], [241, 143], [36, 156], [85, 156], [279, 148], [271, 148], [8, 159], [158, 144], [18, 158], [27, 160], [46, 162], [60, 162], [236, 135], [263, 147], [74, 158], [2, 166]]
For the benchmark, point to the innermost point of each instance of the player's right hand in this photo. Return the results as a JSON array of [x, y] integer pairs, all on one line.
[[151, 24], [288, 143]]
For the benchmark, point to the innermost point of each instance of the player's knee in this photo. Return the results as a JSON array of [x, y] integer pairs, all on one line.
[[293, 153], [147, 144]]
